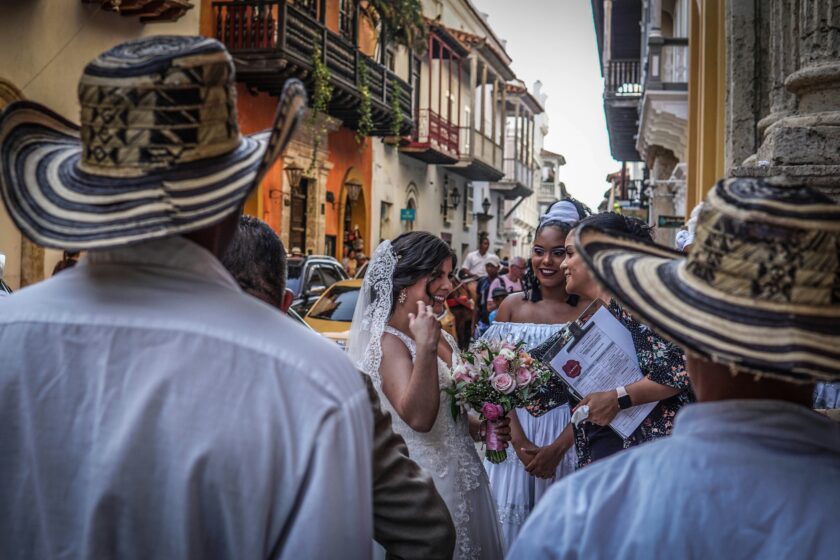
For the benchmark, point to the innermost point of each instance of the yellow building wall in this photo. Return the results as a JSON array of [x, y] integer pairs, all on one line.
[[706, 99], [44, 46]]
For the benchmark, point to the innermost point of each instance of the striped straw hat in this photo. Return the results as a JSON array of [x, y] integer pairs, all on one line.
[[760, 290], [158, 152]]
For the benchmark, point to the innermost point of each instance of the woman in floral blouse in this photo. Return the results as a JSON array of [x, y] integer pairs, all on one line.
[[666, 381]]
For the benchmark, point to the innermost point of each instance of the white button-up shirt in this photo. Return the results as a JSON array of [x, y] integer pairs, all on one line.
[[150, 409], [737, 479]]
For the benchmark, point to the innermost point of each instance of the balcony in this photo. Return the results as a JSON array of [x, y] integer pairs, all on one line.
[[480, 157], [518, 180], [548, 191], [622, 92], [272, 41], [435, 140]]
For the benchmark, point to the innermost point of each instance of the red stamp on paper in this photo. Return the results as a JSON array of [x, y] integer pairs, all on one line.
[[572, 368]]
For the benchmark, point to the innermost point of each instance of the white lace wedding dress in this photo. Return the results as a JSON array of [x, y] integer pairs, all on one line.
[[514, 490], [448, 454]]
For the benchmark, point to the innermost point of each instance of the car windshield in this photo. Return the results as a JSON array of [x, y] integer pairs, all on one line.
[[337, 304]]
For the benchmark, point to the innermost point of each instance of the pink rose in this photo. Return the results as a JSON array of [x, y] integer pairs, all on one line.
[[503, 383], [492, 411], [524, 377], [500, 365]]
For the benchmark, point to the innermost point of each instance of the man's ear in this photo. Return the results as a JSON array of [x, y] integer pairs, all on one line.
[[288, 297]]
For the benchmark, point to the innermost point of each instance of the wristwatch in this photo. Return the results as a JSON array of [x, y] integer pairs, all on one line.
[[623, 398]]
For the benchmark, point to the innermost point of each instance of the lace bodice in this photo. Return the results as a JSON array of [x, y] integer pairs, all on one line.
[[446, 451]]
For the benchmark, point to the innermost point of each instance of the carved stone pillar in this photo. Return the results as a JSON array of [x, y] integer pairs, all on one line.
[[801, 141], [784, 59]]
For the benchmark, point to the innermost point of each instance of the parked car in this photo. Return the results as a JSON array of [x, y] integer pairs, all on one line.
[[332, 314], [5, 290], [309, 277]]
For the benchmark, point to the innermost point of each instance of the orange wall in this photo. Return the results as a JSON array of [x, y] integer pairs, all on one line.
[[256, 113], [346, 153]]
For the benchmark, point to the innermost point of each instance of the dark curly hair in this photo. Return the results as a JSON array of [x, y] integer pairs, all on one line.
[[612, 222], [419, 254], [530, 282]]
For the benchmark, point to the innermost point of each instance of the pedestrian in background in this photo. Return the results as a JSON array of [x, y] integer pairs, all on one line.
[[475, 261], [511, 282], [68, 260], [491, 269]]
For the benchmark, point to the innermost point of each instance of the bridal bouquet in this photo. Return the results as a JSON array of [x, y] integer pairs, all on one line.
[[494, 377]]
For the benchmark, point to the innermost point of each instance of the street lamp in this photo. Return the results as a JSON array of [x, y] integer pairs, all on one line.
[[485, 205], [294, 173], [354, 189], [454, 198]]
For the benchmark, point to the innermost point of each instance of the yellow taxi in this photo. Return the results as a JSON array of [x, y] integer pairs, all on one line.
[[333, 312]]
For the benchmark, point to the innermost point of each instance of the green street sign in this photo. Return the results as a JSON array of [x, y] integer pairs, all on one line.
[[670, 221], [408, 214]]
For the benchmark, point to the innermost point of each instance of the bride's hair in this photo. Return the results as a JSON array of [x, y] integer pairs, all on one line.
[[419, 254], [530, 282]]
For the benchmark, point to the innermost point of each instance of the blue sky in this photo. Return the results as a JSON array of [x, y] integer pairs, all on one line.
[[554, 41]]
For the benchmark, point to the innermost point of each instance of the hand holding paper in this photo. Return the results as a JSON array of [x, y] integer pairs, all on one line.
[[603, 407]]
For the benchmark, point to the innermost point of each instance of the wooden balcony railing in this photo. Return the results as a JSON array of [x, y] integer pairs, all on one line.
[[623, 78], [267, 35], [436, 131]]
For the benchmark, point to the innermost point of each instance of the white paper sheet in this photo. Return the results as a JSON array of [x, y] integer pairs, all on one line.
[[601, 360]]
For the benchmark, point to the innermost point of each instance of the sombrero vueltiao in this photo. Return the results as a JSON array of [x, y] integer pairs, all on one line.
[[158, 152], [760, 290]]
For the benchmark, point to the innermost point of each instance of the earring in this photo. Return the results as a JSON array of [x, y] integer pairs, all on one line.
[[403, 295]]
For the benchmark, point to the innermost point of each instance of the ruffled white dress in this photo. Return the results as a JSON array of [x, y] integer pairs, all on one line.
[[514, 490], [448, 454]]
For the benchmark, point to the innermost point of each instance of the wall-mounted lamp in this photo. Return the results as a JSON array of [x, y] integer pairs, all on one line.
[[294, 173], [485, 205], [354, 189], [331, 198]]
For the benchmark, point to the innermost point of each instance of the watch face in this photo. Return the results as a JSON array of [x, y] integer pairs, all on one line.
[[624, 402]]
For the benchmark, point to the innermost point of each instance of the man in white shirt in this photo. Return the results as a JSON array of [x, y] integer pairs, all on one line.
[[476, 260], [512, 281], [148, 407], [750, 471]]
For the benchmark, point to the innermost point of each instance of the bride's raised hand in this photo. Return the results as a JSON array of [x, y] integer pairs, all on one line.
[[424, 327]]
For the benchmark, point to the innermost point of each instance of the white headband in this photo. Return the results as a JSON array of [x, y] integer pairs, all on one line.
[[563, 211]]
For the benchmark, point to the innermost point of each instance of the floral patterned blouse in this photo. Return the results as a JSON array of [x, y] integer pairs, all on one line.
[[660, 360]]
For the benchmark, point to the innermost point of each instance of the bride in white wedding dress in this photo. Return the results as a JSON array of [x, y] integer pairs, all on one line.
[[397, 340]]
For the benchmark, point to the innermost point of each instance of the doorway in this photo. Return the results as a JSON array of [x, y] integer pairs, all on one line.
[[297, 218]]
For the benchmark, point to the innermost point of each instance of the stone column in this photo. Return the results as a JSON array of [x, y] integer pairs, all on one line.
[[784, 59], [661, 162], [803, 143]]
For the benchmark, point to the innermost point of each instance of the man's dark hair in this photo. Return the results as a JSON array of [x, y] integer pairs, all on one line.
[[617, 223], [257, 260]]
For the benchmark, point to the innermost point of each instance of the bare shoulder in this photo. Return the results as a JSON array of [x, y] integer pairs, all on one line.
[[511, 306]]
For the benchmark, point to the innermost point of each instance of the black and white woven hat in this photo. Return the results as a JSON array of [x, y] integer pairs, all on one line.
[[158, 152], [760, 290]]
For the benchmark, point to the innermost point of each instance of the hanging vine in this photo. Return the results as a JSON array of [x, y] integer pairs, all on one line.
[[396, 108], [365, 126], [402, 18], [321, 95]]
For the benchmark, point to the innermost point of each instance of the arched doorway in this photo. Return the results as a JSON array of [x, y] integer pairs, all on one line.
[[353, 216]]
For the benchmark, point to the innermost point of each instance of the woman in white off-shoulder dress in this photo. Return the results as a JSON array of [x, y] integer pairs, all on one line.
[[397, 340], [541, 438]]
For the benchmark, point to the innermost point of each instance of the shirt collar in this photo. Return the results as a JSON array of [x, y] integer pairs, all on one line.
[[175, 253], [760, 420]]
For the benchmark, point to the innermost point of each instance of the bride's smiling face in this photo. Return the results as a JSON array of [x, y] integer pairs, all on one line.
[[438, 285]]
